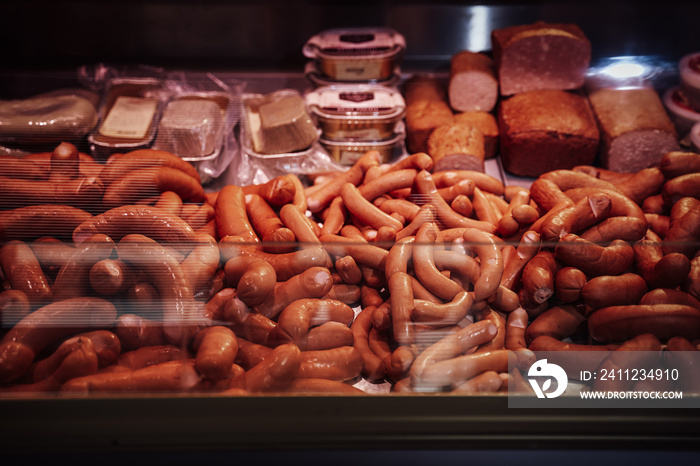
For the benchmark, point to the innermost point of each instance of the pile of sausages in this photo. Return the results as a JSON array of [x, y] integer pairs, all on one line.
[[128, 277]]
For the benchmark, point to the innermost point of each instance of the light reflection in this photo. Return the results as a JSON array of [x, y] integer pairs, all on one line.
[[479, 34]]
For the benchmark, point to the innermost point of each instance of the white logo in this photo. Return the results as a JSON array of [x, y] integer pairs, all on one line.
[[542, 368]]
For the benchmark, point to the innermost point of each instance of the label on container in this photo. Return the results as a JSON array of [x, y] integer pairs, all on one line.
[[358, 71], [129, 118], [368, 103], [357, 43], [349, 157]]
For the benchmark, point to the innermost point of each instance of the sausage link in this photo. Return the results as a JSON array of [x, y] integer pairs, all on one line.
[[22, 270], [594, 259], [315, 282], [338, 364], [664, 321], [568, 283], [613, 290], [147, 182], [216, 349]]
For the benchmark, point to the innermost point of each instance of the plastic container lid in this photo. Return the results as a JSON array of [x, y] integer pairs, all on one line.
[[355, 42]]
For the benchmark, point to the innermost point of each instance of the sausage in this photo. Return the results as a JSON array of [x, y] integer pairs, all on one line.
[[528, 247], [538, 278], [364, 210], [557, 322], [644, 183], [594, 259], [547, 194], [348, 270], [321, 197], [323, 387], [677, 163], [525, 215], [584, 213], [302, 314], [146, 356], [348, 294], [315, 282], [34, 221], [418, 161], [482, 180], [23, 342], [486, 247], [73, 280], [334, 217], [110, 276], [338, 364], [250, 354], [372, 366], [141, 297], [202, 262], [424, 264], [426, 214], [251, 325], [286, 265], [364, 254], [327, 336], [621, 205], [664, 321], [659, 224], [386, 183], [680, 353], [268, 225], [441, 315], [406, 209], [119, 165], [52, 253], [254, 279], [684, 230], [691, 284], [456, 371], [613, 290], [621, 228], [172, 376], [402, 305], [657, 269], [216, 349], [508, 225], [231, 215], [486, 382], [484, 210], [22, 270], [643, 350], [83, 193], [449, 347], [298, 223], [669, 296], [516, 325], [604, 174], [171, 202], [104, 346], [180, 314], [276, 192], [149, 221], [370, 296], [572, 357], [424, 187], [399, 363], [687, 185], [568, 283], [135, 331], [14, 306], [497, 319], [146, 182], [569, 179]]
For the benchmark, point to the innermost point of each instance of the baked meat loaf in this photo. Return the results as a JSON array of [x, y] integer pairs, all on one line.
[[487, 124], [546, 130], [422, 117], [635, 129], [457, 147], [540, 56]]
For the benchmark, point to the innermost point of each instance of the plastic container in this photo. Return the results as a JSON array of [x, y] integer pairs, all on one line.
[[680, 111], [689, 68], [361, 112], [315, 76], [129, 116], [356, 54], [346, 152], [278, 123]]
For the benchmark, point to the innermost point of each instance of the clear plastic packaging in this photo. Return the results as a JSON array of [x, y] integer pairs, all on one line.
[[363, 112], [61, 115], [129, 115], [198, 121], [356, 54], [348, 151], [318, 79]]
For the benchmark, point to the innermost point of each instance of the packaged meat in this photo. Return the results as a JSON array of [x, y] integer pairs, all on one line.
[[64, 115], [357, 111], [356, 54], [129, 116], [279, 123], [347, 152]]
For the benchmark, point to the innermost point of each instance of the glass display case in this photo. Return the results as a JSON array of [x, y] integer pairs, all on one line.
[[517, 271]]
